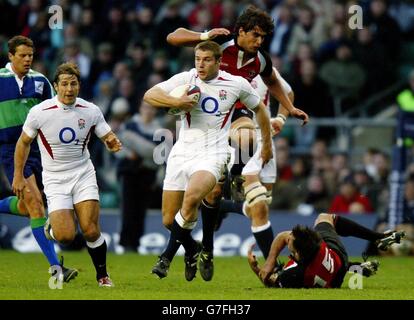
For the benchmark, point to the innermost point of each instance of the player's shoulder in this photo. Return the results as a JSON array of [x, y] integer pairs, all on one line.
[[82, 103], [36, 74], [4, 72], [239, 80], [47, 104]]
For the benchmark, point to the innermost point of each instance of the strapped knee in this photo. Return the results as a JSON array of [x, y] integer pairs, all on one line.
[[255, 193]]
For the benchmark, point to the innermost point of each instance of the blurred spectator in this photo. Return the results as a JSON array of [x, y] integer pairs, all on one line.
[[288, 195], [344, 77], [371, 56], [143, 27], [349, 199], [88, 26], [384, 28], [139, 65], [340, 164], [116, 30], [310, 29], [126, 89], [107, 175], [317, 198], [327, 50], [403, 12], [229, 15], [40, 34], [102, 66], [284, 22], [103, 95], [171, 21], [137, 171], [311, 94]]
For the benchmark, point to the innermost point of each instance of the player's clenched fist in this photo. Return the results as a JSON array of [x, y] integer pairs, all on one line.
[[112, 142]]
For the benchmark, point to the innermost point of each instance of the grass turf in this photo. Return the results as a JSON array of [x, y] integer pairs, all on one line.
[[24, 277]]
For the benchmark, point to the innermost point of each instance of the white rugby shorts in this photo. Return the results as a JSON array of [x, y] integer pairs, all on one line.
[[268, 173], [181, 165], [66, 188]]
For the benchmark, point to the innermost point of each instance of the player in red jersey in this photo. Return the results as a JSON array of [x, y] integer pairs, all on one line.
[[318, 258]]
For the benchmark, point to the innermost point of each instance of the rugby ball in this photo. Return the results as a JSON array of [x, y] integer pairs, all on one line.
[[192, 91]]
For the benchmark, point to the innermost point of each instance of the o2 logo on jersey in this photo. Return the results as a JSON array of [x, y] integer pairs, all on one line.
[[209, 105], [67, 135]]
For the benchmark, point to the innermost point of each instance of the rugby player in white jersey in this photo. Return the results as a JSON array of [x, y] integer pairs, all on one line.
[[198, 158], [63, 126], [258, 183]]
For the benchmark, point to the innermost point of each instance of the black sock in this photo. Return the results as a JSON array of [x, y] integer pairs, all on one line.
[[264, 240], [98, 256], [209, 214], [179, 236], [227, 206], [237, 169], [345, 227]]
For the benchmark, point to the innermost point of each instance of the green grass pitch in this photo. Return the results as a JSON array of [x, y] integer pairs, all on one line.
[[25, 277]]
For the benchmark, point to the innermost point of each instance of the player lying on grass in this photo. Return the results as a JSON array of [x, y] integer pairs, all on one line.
[[318, 259]]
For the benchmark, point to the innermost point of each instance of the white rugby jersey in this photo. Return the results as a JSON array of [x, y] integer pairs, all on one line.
[[207, 124], [63, 131]]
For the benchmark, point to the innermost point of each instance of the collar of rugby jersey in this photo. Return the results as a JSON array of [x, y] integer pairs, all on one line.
[[64, 106], [18, 80]]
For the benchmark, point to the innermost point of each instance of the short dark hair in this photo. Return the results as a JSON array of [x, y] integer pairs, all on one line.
[[210, 46], [16, 41], [67, 68], [307, 242], [252, 17]]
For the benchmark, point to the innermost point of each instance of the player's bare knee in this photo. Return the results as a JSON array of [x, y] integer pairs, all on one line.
[[64, 236], [214, 196], [167, 220], [191, 201], [91, 233], [260, 211], [325, 217]]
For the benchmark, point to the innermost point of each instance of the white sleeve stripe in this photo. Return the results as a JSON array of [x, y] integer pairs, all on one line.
[[227, 44], [262, 61]]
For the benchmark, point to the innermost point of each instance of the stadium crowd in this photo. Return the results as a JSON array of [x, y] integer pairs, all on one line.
[[121, 50]]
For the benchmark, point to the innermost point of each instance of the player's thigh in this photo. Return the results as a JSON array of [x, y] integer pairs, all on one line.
[[243, 133], [171, 203], [325, 217], [87, 213], [200, 184], [63, 224]]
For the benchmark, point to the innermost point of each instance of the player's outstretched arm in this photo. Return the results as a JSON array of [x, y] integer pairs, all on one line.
[[20, 157], [279, 242], [185, 37], [286, 108], [160, 99], [254, 265], [111, 141]]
